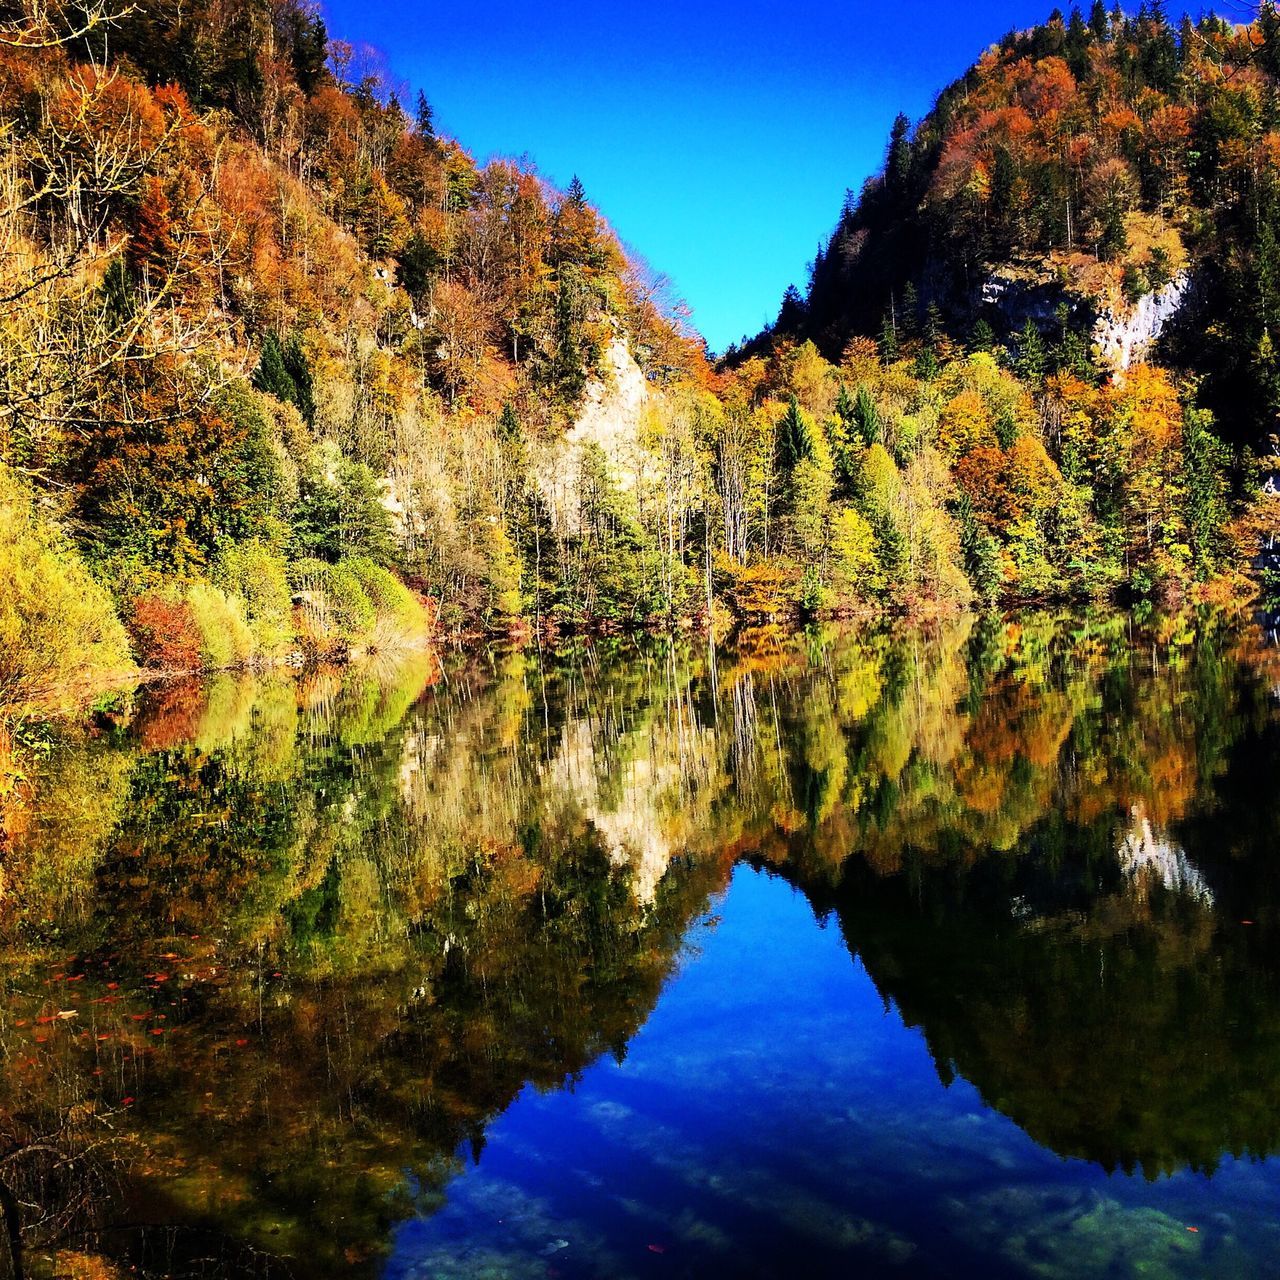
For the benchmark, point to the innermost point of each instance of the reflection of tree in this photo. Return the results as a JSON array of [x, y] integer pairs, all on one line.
[[349, 917], [332, 938], [1139, 1037]]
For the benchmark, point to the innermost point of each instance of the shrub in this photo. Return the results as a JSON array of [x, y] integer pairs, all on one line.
[[164, 632], [58, 627], [225, 638], [400, 618], [335, 610], [257, 578]]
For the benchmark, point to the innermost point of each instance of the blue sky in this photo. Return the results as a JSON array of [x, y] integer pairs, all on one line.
[[717, 138]]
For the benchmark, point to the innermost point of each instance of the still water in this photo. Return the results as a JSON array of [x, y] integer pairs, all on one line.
[[925, 953]]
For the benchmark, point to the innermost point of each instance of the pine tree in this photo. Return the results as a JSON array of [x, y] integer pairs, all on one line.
[[295, 364], [117, 292], [888, 339], [576, 195], [845, 406], [1031, 360], [425, 119], [271, 375], [794, 436], [792, 312], [980, 552], [1098, 22], [509, 428], [866, 417], [897, 170], [1206, 460], [908, 320], [983, 336], [1268, 27], [1077, 44]]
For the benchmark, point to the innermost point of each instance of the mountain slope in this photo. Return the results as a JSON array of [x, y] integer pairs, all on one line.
[[1073, 170]]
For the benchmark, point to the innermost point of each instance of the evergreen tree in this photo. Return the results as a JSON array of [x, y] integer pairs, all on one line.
[[1268, 27], [866, 417], [283, 372], [888, 339], [271, 375], [294, 360], [1206, 460], [117, 292], [933, 325], [1098, 21], [897, 170], [1031, 361], [845, 406], [981, 554], [794, 436], [983, 337], [1077, 45], [425, 118], [1114, 237], [509, 429], [576, 195], [792, 312]]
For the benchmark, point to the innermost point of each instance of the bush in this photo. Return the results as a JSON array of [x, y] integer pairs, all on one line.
[[225, 638], [335, 610], [400, 618], [58, 627], [164, 632], [257, 578]]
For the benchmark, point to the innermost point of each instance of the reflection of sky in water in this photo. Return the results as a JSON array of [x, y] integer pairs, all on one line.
[[773, 1119]]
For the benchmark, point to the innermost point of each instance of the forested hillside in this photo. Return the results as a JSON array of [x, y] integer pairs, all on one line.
[[1073, 170], [1060, 294], [285, 373], [273, 347]]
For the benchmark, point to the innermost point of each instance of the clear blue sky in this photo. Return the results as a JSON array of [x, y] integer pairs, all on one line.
[[717, 138]]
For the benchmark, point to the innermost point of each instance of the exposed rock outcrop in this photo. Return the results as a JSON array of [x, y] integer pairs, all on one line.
[[1123, 339], [614, 411]]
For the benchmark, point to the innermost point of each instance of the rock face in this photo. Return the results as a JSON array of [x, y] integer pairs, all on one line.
[[1012, 296], [612, 419], [1122, 340]]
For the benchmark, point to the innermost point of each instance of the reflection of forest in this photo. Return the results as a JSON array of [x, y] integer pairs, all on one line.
[[279, 950]]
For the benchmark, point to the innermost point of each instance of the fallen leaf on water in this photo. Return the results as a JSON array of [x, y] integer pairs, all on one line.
[[657, 1248], [1195, 1229]]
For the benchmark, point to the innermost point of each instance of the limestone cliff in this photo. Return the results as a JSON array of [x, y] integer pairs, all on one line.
[[610, 424]]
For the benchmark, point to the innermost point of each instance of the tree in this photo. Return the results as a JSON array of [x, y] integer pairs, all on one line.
[[898, 156], [424, 118]]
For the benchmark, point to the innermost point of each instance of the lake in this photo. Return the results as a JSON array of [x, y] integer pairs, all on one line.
[[904, 952]]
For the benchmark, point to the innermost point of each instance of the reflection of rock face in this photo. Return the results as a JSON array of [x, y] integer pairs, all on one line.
[[611, 419], [633, 810], [1144, 856]]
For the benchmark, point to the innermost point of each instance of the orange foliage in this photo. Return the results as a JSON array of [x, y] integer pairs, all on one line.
[[164, 634]]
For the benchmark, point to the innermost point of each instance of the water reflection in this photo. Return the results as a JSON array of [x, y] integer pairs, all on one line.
[[278, 952]]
